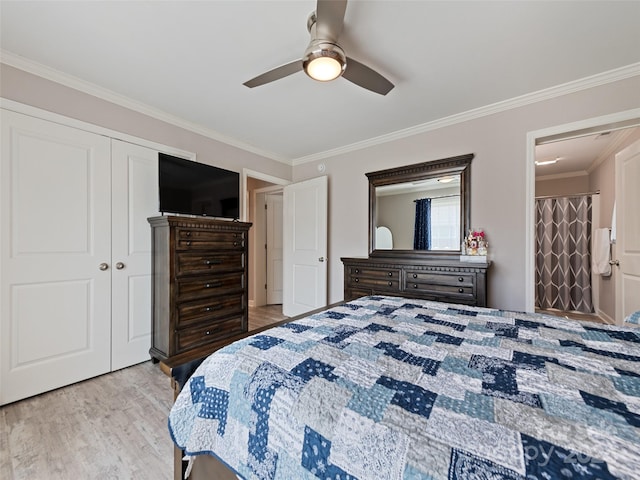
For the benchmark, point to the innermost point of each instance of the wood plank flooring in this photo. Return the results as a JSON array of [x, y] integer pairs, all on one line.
[[109, 427], [587, 317]]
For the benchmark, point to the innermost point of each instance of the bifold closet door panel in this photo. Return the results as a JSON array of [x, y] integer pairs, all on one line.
[[55, 254], [134, 199]]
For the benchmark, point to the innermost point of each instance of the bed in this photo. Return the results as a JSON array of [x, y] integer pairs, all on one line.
[[396, 388]]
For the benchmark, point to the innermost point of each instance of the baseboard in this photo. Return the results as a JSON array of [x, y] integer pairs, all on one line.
[[252, 303], [606, 318]]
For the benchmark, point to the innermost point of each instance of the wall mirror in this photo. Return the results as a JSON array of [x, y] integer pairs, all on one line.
[[420, 210]]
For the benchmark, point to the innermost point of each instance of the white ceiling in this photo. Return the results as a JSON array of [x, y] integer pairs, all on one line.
[[580, 155], [189, 60]]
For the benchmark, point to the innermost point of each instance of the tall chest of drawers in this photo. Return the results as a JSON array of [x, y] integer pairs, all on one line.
[[447, 281], [199, 285]]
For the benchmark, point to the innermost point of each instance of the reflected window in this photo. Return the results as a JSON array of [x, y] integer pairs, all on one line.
[[445, 223]]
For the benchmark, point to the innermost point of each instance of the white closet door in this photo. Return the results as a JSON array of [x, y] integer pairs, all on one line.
[[55, 227], [134, 199]]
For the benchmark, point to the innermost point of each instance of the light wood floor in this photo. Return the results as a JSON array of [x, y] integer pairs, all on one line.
[[587, 317], [109, 427]]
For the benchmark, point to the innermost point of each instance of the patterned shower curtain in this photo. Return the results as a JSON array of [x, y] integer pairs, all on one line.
[[563, 253], [422, 227]]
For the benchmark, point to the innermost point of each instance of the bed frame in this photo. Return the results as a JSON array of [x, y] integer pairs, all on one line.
[[207, 466]]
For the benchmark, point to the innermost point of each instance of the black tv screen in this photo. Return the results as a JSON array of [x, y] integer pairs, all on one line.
[[197, 189]]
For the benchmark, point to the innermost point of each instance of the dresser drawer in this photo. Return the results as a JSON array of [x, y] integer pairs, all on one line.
[[446, 287], [208, 263], [208, 309], [189, 288], [452, 279], [189, 338], [377, 278], [194, 239]]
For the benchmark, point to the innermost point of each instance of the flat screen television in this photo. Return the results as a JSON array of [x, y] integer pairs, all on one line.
[[193, 188]]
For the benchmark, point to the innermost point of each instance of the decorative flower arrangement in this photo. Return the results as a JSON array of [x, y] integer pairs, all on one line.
[[475, 243]]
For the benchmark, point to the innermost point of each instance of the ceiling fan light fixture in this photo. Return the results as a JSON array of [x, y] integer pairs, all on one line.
[[324, 61], [547, 162]]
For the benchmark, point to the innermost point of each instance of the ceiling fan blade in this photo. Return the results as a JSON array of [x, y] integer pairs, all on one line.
[[275, 74], [365, 77], [330, 19]]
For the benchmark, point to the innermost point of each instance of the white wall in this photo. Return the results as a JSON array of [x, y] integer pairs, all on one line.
[[36, 91], [498, 182], [498, 170]]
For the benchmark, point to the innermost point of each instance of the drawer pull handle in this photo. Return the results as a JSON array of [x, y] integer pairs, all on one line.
[[212, 309], [391, 274], [390, 283], [356, 280], [212, 285], [208, 332], [188, 243], [212, 262], [188, 234], [357, 271], [415, 275], [461, 290], [415, 285], [235, 244], [460, 279]]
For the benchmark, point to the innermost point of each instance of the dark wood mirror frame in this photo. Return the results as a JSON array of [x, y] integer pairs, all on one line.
[[412, 173]]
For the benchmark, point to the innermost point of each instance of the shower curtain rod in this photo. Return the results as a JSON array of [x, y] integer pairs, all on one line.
[[567, 196]]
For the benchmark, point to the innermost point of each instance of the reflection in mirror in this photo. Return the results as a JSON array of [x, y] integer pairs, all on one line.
[[425, 206], [435, 223], [384, 238]]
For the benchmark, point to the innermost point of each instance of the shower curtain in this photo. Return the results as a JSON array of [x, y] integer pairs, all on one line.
[[563, 255]]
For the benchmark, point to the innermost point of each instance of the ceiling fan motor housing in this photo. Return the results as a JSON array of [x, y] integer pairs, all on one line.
[[322, 49]]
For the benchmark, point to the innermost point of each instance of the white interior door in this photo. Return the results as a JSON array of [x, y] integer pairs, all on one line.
[[627, 250], [55, 229], [134, 199], [274, 248], [305, 246]]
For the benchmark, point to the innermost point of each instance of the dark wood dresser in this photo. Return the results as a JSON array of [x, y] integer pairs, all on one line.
[[448, 281], [199, 285]]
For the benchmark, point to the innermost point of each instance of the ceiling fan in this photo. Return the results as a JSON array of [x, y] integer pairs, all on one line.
[[324, 60]]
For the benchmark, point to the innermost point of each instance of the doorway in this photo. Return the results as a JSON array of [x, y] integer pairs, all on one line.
[[257, 188], [603, 135]]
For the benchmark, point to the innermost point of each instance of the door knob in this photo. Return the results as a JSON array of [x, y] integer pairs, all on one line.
[[321, 259], [119, 265], [103, 266], [614, 262]]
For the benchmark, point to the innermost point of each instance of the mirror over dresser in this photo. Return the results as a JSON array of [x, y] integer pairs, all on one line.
[[413, 257]]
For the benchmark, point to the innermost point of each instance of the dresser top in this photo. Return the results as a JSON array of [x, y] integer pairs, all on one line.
[[198, 222], [387, 262]]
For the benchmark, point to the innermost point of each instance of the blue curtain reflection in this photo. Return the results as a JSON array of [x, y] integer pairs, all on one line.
[[422, 229]]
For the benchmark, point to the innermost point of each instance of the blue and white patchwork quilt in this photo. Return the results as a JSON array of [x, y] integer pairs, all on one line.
[[395, 388]]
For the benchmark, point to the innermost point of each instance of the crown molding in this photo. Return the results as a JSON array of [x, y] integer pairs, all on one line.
[[57, 76], [612, 148], [89, 88], [611, 76]]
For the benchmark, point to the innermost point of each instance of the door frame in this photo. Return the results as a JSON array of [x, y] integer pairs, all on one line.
[[590, 126], [257, 270]]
